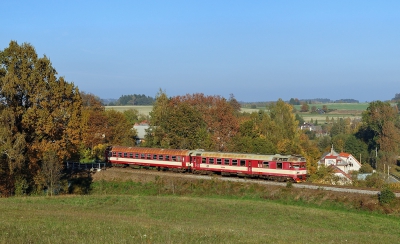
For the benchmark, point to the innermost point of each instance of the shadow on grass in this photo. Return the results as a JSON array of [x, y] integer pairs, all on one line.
[[79, 182]]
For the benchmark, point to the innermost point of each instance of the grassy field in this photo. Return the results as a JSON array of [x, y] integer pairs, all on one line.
[[155, 209], [145, 110], [342, 110], [339, 106], [173, 219]]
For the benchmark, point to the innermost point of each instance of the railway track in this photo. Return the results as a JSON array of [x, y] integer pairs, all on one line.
[[246, 180]]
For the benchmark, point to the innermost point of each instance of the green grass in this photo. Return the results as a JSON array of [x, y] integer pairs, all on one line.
[[169, 210], [339, 106], [172, 219]]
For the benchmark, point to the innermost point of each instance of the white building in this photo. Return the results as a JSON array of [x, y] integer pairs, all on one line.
[[343, 163]]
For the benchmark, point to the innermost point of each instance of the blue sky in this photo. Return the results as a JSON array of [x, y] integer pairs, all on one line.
[[256, 50]]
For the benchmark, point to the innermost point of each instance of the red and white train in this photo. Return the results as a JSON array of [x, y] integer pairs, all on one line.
[[273, 167]]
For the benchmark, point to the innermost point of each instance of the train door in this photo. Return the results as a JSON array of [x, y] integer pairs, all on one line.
[[249, 167], [196, 161]]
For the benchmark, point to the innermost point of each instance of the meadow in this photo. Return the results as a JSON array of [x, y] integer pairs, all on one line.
[[173, 219], [169, 210]]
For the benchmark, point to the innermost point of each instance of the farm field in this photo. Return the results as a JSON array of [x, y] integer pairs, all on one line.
[[173, 219], [145, 110], [344, 110]]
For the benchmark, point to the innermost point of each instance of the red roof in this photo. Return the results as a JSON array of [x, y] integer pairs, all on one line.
[[331, 157], [345, 155]]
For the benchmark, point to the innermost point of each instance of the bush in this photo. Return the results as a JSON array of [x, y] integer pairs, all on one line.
[[386, 196], [366, 168]]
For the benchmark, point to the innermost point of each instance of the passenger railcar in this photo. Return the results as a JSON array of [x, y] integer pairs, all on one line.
[[274, 167]]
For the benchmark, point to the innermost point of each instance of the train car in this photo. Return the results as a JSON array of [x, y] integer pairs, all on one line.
[[274, 167], [149, 157]]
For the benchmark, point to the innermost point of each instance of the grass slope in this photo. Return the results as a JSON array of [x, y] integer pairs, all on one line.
[[172, 219]]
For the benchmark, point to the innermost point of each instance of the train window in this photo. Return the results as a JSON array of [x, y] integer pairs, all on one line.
[[136, 155], [125, 155], [203, 160], [161, 157], [173, 158], [114, 154], [265, 164], [154, 156], [148, 156], [279, 165], [242, 162], [131, 155], [211, 160], [119, 154], [167, 157], [226, 161], [142, 155], [178, 158], [234, 162], [219, 161]]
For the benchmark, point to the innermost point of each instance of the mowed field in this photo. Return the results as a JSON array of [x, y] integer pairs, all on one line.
[[181, 219], [145, 110]]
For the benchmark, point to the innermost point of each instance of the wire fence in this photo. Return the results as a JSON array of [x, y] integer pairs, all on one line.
[[85, 166]]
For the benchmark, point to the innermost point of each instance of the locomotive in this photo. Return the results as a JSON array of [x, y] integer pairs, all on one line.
[[268, 166]]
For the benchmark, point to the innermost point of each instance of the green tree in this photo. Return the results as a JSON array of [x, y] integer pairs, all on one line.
[[132, 115], [339, 141], [338, 127], [356, 147], [43, 111], [381, 130], [285, 125], [300, 119]]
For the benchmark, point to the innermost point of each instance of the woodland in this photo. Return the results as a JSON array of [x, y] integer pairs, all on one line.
[[45, 121]]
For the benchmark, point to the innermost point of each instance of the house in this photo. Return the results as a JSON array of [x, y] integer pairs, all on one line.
[[141, 131], [342, 163], [311, 127]]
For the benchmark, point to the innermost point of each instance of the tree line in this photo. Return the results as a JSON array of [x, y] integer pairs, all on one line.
[[134, 99], [45, 121]]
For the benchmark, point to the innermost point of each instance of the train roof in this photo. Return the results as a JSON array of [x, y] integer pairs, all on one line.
[[266, 157], [202, 153], [148, 150]]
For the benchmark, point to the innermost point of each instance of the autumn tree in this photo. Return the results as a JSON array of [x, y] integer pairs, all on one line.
[[39, 112], [189, 121], [94, 127], [42, 111], [51, 172], [313, 109], [325, 108], [304, 107], [120, 131]]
